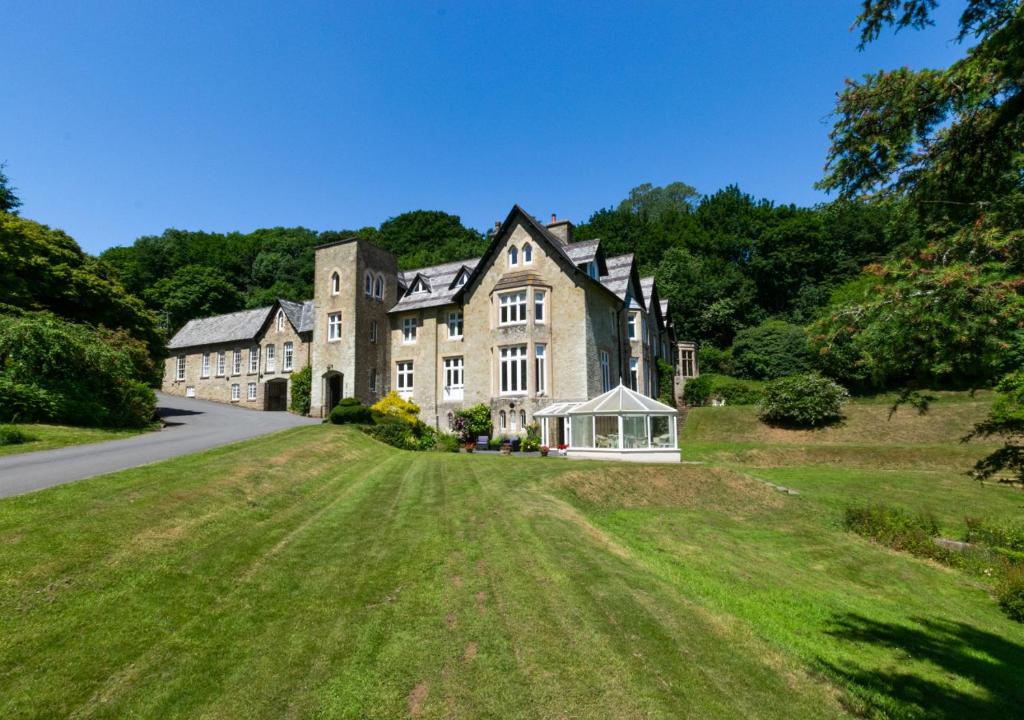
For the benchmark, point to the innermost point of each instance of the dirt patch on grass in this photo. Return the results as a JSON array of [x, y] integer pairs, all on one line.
[[416, 698], [669, 486], [470, 652], [481, 601]]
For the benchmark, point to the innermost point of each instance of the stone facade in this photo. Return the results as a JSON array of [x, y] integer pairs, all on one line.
[[538, 319]]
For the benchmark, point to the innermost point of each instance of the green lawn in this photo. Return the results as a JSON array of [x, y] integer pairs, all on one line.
[[316, 573], [48, 437]]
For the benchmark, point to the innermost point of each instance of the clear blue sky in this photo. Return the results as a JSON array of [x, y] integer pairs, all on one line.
[[123, 119]]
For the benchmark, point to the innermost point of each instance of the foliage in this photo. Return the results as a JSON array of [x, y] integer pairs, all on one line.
[[666, 380], [531, 443], [895, 527], [706, 387], [1006, 421], [416, 436], [711, 359], [807, 400], [194, 291], [350, 410], [44, 269], [474, 422], [1011, 593], [393, 405], [427, 237], [496, 442], [447, 442], [302, 386], [397, 435], [771, 350], [997, 535], [14, 435], [9, 202], [55, 370]]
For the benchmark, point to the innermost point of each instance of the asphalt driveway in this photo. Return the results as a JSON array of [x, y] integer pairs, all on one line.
[[193, 425]]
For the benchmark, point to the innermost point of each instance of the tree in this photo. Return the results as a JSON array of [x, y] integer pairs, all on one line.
[[9, 202], [195, 291], [428, 237], [771, 350], [45, 269]]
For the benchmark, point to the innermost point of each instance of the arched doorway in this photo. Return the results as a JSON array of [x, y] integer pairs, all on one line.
[[334, 386], [275, 395]]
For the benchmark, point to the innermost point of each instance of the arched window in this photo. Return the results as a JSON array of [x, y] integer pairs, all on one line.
[[335, 283], [368, 284], [451, 421], [527, 254], [522, 419], [378, 290], [513, 255], [280, 320], [502, 422]]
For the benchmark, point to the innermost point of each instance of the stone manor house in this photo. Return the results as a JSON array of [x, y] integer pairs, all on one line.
[[539, 319]]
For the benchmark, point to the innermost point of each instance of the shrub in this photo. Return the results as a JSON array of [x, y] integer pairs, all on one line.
[[895, 527], [1009, 536], [393, 405], [666, 378], [495, 443], [473, 422], [302, 387], [808, 400], [53, 370], [1011, 593], [771, 350], [349, 411], [397, 434], [712, 360], [12, 435], [446, 442], [734, 391]]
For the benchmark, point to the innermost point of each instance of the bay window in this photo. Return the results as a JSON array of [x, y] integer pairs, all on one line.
[[512, 308], [513, 370], [540, 368], [538, 306], [633, 376]]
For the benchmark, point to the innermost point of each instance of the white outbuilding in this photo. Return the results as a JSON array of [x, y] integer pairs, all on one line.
[[620, 424]]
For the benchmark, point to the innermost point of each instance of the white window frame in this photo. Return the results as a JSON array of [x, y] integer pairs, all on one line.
[[179, 368], [540, 368], [335, 283], [606, 371], [236, 392], [288, 356], [512, 370], [236, 361], [333, 327], [502, 421], [522, 420], [270, 353], [512, 426], [254, 359], [280, 320], [454, 377], [512, 308], [221, 362], [251, 392], [539, 301], [404, 378], [455, 325], [631, 326], [204, 371], [409, 325], [634, 374]]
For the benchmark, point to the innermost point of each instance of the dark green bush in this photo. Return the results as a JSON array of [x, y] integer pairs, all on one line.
[[1008, 536], [474, 422], [704, 389], [714, 361], [446, 442], [771, 350], [52, 370], [897, 528], [417, 436], [398, 435], [350, 411], [13, 435], [1011, 593], [302, 386], [808, 400]]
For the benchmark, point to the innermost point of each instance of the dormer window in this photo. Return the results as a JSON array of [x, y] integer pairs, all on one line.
[[280, 320], [461, 278], [378, 288], [527, 254], [335, 283], [419, 286], [513, 256], [368, 284]]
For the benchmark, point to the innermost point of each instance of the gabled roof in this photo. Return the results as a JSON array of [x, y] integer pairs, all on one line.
[[622, 400], [621, 276], [583, 251], [664, 309], [233, 327], [440, 281], [241, 326]]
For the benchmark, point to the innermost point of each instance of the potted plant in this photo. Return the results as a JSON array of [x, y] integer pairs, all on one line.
[[544, 450], [506, 446], [562, 447], [463, 431]]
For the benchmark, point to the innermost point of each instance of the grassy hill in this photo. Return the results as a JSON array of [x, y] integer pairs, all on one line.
[[318, 573]]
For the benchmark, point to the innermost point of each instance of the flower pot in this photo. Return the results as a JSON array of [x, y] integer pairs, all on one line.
[[506, 448], [544, 450], [470, 446]]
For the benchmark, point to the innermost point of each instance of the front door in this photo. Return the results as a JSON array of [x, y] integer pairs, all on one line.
[[333, 390], [277, 395]]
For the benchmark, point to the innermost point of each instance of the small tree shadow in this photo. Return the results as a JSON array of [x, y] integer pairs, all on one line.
[[989, 661]]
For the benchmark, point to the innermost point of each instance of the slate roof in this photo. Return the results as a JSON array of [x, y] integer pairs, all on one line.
[[439, 278], [241, 326], [647, 287], [664, 309], [582, 252], [619, 270]]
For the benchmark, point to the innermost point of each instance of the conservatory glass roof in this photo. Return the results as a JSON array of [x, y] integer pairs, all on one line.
[[620, 400]]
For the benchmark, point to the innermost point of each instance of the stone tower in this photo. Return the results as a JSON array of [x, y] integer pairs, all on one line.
[[355, 283]]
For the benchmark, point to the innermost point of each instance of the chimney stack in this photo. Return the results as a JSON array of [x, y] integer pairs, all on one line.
[[562, 229]]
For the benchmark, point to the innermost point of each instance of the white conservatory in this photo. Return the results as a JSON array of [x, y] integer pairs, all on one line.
[[621, 424]]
